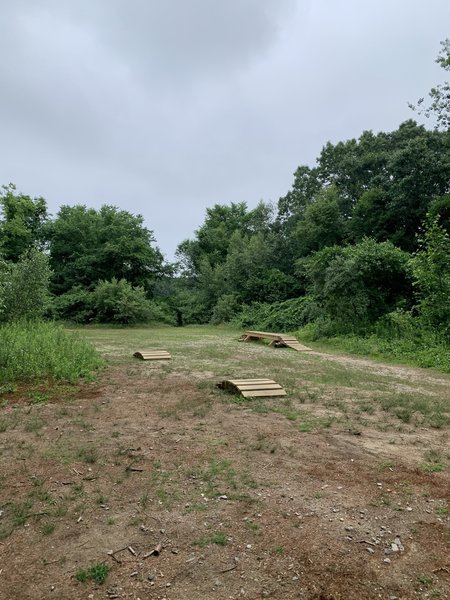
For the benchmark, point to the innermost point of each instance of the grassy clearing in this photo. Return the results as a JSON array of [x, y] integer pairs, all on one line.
[[36, 351], [321, 393]]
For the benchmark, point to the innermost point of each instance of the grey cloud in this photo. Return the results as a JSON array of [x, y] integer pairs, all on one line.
[[166, 107]]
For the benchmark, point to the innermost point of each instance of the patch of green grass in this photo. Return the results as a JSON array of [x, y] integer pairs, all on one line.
[[442, 511], [386, 466], [21, 512], [416, 408], [41, 350], [218, 471], [8, 388], [306, 427], [166, 497], [195, 507], [433, 467], [98, 573], [251, 525], [218, 538], [38, 397], [88, 455], [144, 500], [48, 529], [34, 424], [425, 579]]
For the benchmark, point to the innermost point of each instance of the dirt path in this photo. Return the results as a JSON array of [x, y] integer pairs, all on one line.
[[248, 502]]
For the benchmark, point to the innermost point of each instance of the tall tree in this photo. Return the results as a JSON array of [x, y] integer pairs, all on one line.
[[22, 222], [212, 239], [88, 245]]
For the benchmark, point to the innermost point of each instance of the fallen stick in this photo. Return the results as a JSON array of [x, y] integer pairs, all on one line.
[[228, 569], [115, 558], [157, 549], [366, 542]]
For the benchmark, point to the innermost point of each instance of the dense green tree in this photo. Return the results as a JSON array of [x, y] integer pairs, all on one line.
[[440, 210], [213, 238], [292, 206], [88, 245], [385, 182], [24, 287], [22, 222], [322, 225], [431, 268], [117, 301], [356, 285]]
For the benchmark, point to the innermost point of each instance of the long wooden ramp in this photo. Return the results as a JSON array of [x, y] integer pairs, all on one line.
[[250, 388], [277, 339], [153, 355]]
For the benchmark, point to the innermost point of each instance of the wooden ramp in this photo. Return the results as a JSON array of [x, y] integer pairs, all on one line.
[[153, 355], [250, 388], [276, 339]]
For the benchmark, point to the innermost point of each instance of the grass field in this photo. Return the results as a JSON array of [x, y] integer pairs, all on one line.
[[338, 491]]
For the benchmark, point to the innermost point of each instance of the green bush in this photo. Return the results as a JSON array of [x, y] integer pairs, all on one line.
[[34, 351], [431, 268], [24, 287], [76, 306], [279, 316], [226, 308], [397, 336], [354, 286], [117, 301]]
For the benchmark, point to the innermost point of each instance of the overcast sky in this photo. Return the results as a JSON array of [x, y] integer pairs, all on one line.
[[166, 107]]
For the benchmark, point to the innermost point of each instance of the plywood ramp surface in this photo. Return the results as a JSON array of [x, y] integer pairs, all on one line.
[[277, 339], [250, 388], [153, 355]]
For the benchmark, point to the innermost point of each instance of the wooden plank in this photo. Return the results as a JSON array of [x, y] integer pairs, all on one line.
[[297, 346], [262, 393], [252, 387], [260, 334], [239, 381], [278, 339], [259, 386], [153, 355]]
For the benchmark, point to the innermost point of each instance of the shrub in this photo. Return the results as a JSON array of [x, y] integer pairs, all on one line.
[[34, 351], [356, 285], [76, 306], [431, 267], [24, 287], [117, 301], [226, 308], [279, 316]]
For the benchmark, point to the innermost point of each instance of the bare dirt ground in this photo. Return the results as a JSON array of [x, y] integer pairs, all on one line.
[[317, 498]]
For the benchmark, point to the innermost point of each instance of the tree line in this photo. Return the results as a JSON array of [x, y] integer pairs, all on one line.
[[361, 237]]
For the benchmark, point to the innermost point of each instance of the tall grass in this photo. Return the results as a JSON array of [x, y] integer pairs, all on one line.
[[395, 337], [31, 351]]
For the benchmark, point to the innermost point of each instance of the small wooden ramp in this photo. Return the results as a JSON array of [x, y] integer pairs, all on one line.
[[250, 388], [277, 339], [153, 355]]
